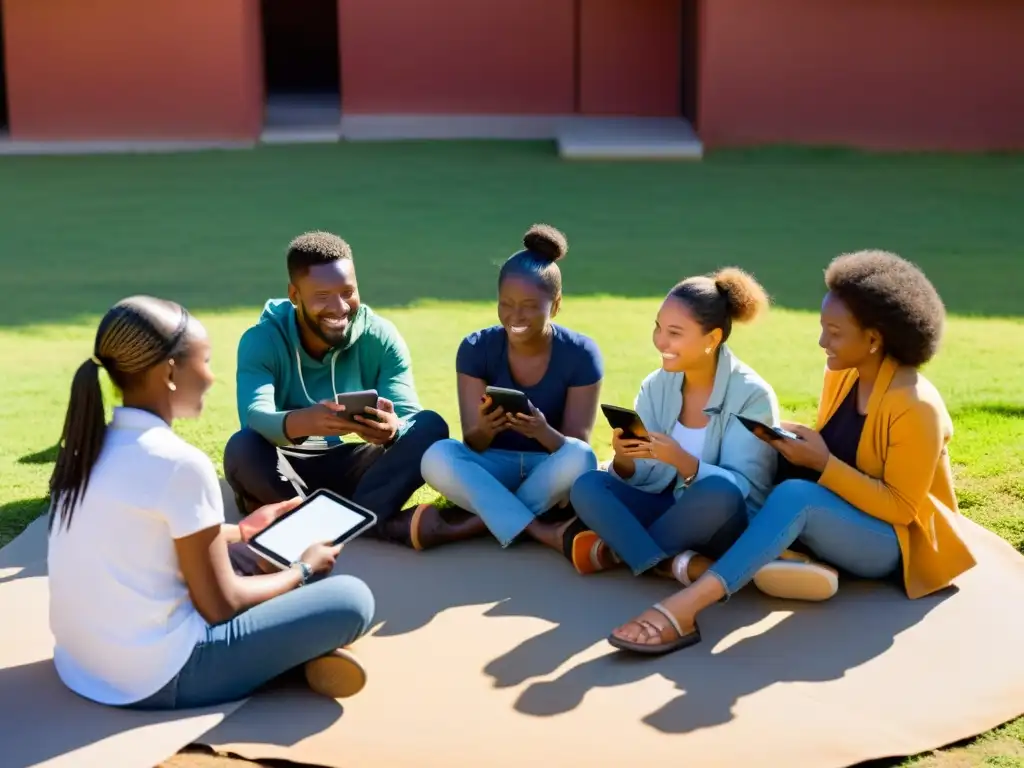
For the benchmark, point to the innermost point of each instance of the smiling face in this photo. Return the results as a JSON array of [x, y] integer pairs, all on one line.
[[524, 308], [326, 299], [680, 339], [846, 344]]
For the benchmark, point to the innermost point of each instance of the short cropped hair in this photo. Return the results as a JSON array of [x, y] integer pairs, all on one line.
[[314, 248]]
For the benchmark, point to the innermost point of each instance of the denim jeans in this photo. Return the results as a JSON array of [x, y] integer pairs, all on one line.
[[507, 489], [646, 528], [240, 655], [834, 530], [379, 478]]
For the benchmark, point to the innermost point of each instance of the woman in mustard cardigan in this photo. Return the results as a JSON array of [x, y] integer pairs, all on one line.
[[870, 488]]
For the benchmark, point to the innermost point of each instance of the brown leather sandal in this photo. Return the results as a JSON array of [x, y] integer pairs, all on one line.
[[651, 631]]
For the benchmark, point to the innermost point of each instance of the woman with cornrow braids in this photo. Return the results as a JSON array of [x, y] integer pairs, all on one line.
[[145, 608]]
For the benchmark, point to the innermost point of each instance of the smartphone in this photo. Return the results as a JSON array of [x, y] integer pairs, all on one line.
[[764, 432], [512, 400], [628, 421], [357, 403], [323, 516]]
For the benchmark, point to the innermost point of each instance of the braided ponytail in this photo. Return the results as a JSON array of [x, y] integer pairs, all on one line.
[[134, 335]]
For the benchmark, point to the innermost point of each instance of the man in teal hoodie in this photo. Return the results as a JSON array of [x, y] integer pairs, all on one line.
[[319, 342]]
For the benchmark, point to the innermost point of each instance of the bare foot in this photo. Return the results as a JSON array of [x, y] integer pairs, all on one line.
[[548, 534]]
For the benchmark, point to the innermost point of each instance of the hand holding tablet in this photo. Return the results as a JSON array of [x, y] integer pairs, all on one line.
[[322, 518]]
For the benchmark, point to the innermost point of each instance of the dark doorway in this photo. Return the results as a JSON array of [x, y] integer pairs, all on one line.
[[301, 64], [690, 59], [3, 76]]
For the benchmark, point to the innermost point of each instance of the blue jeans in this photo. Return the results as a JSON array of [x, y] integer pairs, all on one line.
[[271, 638], [507, 489], [834, 530], [646, 528]]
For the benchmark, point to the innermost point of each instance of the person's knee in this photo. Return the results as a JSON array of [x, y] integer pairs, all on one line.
[[720, 492], [588, 487], [245, 451], [428, 427], [575, 458], [438, 463], [351, 604]]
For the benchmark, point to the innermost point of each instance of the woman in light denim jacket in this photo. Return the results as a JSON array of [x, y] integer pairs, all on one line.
[[691, 486]]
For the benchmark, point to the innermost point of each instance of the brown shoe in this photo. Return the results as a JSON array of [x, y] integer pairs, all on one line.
[[337, 675], [425, 526]]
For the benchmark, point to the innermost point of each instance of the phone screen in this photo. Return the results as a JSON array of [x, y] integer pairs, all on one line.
[[322, 519]]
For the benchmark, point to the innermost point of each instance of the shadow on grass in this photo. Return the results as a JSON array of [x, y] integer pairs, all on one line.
[[15, 517], [45, 456], [216, 228]]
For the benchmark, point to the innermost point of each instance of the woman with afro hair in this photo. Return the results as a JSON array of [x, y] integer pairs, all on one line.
[[869, 488]]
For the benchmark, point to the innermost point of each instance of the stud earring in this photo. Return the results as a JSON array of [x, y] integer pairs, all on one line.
[[873, 350], [707, 351], [172, 386]]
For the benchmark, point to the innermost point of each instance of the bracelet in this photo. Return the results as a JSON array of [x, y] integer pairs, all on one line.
[[307, 572]]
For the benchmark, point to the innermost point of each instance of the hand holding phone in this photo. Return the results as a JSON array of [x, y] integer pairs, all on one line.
[[765, 432], [627, 420]]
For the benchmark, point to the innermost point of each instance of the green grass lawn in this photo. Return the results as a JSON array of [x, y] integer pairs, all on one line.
[[429, 225]]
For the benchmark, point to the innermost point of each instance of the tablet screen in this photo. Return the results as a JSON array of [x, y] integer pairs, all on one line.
[[322, 519]]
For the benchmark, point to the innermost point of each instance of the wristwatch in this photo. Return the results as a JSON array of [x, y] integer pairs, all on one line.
[[307, 572]]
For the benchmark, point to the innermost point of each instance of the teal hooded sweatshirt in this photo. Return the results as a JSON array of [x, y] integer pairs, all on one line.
[[373, 355]]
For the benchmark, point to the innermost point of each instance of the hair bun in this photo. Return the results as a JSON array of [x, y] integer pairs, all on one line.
[[745, 296], [546, 241]]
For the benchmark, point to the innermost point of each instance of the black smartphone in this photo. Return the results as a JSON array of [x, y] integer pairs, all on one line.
[[357, 403], [512, 400], [764, 432], [628, 421]]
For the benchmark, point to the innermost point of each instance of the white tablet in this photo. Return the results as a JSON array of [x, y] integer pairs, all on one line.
[[323, 516]]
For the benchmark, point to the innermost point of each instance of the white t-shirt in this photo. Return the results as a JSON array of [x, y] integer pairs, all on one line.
[[120, 613], [690, 440]]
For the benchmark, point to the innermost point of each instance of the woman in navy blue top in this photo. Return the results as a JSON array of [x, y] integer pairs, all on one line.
[[510, 469]]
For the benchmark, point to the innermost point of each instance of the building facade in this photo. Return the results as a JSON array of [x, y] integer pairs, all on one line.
[[899, 74]]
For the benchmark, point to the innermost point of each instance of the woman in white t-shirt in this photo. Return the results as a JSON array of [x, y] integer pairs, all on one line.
[[145, 609]]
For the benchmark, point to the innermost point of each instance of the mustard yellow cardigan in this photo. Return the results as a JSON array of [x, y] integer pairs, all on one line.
[[903, 474]]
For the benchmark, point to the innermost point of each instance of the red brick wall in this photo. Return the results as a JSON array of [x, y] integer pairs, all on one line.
[[457, 56], [133, 69], [884, 74]]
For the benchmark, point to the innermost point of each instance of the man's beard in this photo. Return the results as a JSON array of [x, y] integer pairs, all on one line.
[[330, 338]]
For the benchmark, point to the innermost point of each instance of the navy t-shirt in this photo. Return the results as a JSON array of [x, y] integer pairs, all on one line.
[[575, 362]]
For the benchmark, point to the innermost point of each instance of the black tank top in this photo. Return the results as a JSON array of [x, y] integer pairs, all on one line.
[[841, 434]]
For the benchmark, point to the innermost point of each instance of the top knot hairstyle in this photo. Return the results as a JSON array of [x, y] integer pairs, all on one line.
[[312, 248], [889, 294], [717, 301], [134, 335], [544, 246]]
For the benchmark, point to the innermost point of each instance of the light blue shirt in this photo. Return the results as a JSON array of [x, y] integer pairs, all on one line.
[[730, 449]]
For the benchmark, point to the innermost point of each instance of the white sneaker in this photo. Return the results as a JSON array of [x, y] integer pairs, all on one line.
[[796, 577]]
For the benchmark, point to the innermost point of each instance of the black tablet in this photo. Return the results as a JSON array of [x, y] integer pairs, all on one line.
[[764, 432], [628, 421], [323, 516], [512, 400]]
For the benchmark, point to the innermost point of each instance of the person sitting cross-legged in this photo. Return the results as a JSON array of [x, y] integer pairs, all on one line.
[[512, 469], [693, 479], [305, 350], [146, 611]]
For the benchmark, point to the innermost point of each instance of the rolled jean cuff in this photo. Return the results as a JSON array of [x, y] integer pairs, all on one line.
[[721, 580], [640, 570]]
